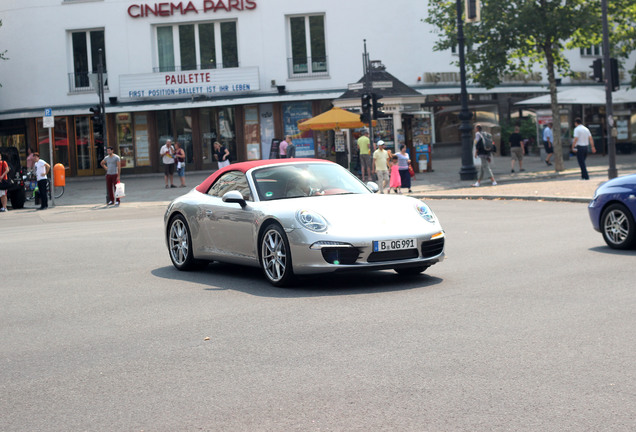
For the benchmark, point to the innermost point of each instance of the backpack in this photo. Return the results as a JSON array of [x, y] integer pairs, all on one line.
[[488, 143]]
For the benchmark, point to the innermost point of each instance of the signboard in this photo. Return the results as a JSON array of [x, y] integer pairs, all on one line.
[[48, 121], [382, 84], [189, 83], [355, 86]]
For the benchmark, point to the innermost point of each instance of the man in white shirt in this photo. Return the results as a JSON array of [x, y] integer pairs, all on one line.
[[381, 166], [41, 171], [167, 154], [580, 144]]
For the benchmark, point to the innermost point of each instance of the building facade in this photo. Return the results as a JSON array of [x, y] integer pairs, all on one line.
[[240, 72]]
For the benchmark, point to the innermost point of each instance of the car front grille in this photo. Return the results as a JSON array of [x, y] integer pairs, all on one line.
[[340, 255], [393, 255], [432, 248]]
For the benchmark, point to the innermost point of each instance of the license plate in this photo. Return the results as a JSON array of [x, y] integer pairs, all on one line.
[[391, 245]]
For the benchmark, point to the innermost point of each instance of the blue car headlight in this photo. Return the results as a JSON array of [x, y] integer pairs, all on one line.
[[311, 220], [426, 212]]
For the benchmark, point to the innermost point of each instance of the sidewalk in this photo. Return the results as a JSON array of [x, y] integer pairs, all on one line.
[[538, 182]]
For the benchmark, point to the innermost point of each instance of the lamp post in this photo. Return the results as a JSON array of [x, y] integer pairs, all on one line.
[[468, 171], [612, 172], [100, 91]]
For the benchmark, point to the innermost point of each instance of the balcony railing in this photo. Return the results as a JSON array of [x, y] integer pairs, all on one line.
[[81, 82], [301, 67]]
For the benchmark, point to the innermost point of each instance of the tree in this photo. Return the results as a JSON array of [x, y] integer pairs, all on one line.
[[514, 36]]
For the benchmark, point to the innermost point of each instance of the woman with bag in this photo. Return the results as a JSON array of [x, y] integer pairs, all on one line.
[[4, 171], [180, 157], [404, 163]]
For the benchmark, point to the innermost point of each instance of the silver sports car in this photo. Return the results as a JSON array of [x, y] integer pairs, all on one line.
[[298, 217]]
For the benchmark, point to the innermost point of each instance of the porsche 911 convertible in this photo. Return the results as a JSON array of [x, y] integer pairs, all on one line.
[[296, 217]]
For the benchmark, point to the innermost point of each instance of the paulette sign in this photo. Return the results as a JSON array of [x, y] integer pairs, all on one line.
[[215, 82], [184, 8]]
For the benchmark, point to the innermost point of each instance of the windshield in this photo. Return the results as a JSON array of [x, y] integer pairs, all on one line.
[[305, 179]]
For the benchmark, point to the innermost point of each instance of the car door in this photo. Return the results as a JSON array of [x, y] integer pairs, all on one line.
[[229, 229]]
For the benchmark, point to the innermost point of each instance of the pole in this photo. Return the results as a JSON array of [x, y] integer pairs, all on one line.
[[100, 80], [51, 170], [612, 172], [367, 88], [468, 171]]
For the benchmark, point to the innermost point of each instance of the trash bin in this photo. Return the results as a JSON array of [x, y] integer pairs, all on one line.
[[59, 174]]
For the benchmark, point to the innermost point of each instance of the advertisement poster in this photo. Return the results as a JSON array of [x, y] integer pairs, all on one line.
[[125, 140], [294, 113]]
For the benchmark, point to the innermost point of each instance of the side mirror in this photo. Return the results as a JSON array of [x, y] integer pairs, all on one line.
[[234, 197], [373, 187]]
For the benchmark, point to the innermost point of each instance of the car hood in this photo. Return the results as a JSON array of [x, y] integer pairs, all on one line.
[[364, 214]]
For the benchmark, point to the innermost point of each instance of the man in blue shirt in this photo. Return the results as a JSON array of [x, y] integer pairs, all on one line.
[[548, 143]]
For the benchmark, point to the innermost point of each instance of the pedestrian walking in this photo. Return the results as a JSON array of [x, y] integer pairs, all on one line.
[[180, 157], [291, 149], [516, 150], [484, 156], [403, 165], [282, 148], [381, 166], [395, 182], [221, 154], [112, 164], [364, 145], [581, 143], [167, 153], [42, 169], [4, 175], [548, 143]]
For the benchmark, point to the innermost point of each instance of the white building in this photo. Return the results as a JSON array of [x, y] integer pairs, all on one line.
[[241, 72]]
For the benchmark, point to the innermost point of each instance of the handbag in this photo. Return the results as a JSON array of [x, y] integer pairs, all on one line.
[[6, 184], [411, 171], [120, 190]]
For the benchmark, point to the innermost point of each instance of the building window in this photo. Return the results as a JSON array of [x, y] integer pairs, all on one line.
[[85, 46], [307, 46], [593, 51], [197, 46]]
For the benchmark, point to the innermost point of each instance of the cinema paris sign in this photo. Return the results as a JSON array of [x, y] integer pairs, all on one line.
[[182, 8]]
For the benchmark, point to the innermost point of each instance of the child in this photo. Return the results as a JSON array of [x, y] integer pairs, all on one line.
[[395, 182]]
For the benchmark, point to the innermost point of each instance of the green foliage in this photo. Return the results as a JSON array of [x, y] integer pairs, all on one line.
[[527, 129]]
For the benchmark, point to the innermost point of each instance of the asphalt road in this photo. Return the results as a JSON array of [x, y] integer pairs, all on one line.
[[529, 325]]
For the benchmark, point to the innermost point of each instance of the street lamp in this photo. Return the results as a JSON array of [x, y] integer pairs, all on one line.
[[468, 171]]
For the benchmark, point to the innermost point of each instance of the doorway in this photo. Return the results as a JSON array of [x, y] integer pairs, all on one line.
[[89, 144]]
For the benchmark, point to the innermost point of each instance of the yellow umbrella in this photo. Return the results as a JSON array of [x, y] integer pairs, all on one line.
[[335, 118]]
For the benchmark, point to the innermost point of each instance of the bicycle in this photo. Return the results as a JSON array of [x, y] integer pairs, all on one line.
[[31, 185]]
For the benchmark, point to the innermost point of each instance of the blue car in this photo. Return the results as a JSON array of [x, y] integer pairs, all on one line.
[[612, 212]]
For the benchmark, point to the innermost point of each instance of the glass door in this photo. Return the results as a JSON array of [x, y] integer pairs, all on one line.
[[90, 148]]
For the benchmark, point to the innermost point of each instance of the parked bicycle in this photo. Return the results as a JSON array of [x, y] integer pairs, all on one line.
[[32, 190]]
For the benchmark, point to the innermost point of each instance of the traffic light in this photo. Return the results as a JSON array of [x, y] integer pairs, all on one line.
[[365, 103], [97, 113], [597, 70], [377, 105], [616, 84]]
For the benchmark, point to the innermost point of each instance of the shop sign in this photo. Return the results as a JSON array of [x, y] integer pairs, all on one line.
[[189, 83], [167, 9]]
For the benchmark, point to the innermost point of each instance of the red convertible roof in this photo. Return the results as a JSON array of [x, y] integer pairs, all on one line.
[[246, 166]]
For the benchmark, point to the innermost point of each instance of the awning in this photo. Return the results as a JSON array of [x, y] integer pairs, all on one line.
[[583, 96]]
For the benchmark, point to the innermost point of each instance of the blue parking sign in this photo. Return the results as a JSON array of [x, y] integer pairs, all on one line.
[[48, 112]]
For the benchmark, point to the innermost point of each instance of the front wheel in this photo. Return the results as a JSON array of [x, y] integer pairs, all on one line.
[[617, 226], [180, 245], [275, 256], [59, 191]]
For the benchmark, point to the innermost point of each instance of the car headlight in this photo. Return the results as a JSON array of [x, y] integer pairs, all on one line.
[[425, 212], [311, 220]]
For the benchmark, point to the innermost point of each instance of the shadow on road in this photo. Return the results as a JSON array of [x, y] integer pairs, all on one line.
[[609, 251], [250, 280]]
